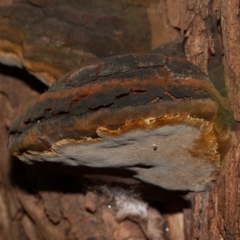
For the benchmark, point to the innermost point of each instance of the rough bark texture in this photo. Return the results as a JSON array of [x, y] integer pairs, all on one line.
[[230, 25], [199, 36], [11, 91], [214, 213]]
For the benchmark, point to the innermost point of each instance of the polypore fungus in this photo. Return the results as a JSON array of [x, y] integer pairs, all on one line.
[[69, 30], [159, 117]]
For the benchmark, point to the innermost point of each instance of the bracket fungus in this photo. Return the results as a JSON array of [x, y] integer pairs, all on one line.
[[157, 116]]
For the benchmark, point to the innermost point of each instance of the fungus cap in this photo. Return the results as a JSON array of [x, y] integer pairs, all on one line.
[[159, 117]]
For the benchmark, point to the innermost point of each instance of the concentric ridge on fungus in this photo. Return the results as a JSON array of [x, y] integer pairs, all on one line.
[[156, 116]]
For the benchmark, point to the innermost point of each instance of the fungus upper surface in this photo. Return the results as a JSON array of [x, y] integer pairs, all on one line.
[[50, 39], [157, 116]]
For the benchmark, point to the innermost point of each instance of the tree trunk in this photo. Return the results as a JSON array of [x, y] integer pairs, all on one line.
[[50, 38], [214, 213]]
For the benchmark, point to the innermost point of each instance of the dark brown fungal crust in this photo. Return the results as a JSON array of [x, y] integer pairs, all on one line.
[[121, 95], [66, 30], [119, 82]]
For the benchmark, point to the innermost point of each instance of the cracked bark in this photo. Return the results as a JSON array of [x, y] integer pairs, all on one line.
[[214, 213]]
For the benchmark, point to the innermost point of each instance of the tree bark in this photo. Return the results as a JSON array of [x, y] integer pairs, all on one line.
[[214, 213]]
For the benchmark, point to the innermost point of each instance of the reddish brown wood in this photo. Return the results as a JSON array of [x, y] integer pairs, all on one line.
[[198, 33], [230, 24], [11, 91], [214, 214]]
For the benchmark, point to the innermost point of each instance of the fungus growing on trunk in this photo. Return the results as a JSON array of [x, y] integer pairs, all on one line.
[[159, 117]]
